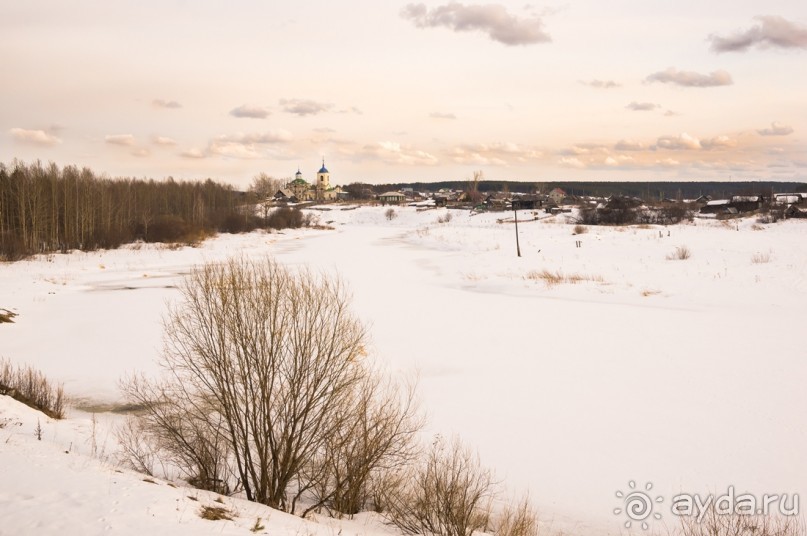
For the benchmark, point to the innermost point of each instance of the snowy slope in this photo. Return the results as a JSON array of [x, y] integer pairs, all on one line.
[[686, 373]]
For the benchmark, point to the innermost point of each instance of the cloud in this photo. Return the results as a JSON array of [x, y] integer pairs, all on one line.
[[392, 152], [34, 137], [303, 107], [777, 129], [770, 32], [691, 79], [572, 162], [120, 139], [442, 115], [682, 142], [325, 130], [498, 154], [240, 145], [601, 84], [163, 140], [492, 19], [141, 152], [194, 152], [629, 145], [642, 106], [718, 142], [160, 103], [252, 112], [351, 110], [670, 113]]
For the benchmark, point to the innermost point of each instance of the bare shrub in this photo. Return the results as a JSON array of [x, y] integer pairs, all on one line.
[[377, 437], [448, 494], [191, 438], [520, 519], [761, 258], [445, 218], [390, 214], [681, 253], [267, 387], [286, 218], [29, 386], [716, 523], [579, 229]]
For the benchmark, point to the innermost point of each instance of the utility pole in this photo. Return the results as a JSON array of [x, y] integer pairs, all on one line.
[[515, 214]]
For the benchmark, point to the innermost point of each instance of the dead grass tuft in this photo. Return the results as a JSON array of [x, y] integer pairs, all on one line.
[[7, 316], [216, 513], [558, 277], [681, 253], [648, 292], [761, 258], [579, 229]]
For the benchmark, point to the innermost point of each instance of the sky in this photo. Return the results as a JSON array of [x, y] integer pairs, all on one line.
[[408, 91]]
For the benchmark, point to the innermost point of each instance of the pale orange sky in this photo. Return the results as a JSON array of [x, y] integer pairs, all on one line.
[[582, 90]]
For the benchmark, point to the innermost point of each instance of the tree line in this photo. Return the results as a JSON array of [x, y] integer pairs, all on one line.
[[45, 208]]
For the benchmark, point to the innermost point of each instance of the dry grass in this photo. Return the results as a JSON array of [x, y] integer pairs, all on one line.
[[761, 258], [681, 253], [216, 513], [647, 292], [579, 229], [7, 316], [558, 277], [29, 386]]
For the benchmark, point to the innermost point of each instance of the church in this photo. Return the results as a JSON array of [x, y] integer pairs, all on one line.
[[321, 190]]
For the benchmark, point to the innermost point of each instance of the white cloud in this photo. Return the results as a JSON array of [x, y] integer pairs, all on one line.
[[252, 112], [572, 162], [770, 32], [777, 129], [163, 140], [120, 139], [682, 142], [34, 137], [304, 107], [629, 145], [392, 152], [491, 19], [601, 84], [194, 152], [161, 103], [498, 154], [642, 106], [141, 152], [442, 115], [691, 79], [718, 142]]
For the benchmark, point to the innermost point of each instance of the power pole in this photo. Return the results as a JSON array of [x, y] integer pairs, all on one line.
[[515, 214]]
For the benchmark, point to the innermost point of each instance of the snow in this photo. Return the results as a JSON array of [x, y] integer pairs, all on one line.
[[684, 373]]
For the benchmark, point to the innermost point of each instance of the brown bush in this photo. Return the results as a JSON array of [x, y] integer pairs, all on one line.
[[29, 386], [448, 494]]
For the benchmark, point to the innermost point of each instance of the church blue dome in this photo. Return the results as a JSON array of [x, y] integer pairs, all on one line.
[[322, 170]]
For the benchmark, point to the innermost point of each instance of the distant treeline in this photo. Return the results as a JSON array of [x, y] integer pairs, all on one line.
[[47, 208], [648, 191]]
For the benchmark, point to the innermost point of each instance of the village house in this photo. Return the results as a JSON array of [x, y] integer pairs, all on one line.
[[392, 198]]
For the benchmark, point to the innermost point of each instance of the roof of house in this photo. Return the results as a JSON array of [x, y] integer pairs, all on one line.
[[392, 194]]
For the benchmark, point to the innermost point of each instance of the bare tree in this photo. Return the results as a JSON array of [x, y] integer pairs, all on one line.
[[263, 187], [266, 356], [448, 494]]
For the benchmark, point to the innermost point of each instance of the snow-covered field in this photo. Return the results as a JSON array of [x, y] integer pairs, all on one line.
[[689, 374]]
